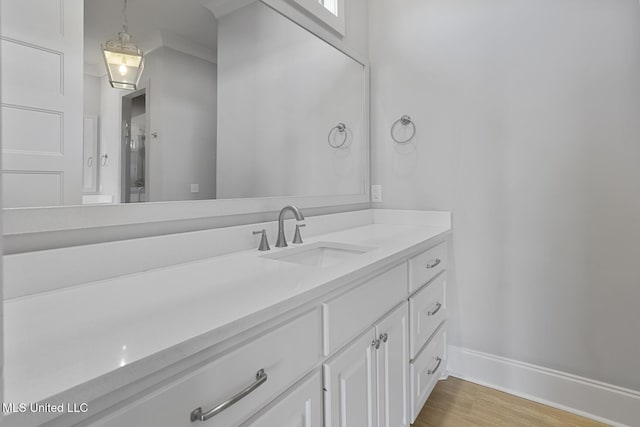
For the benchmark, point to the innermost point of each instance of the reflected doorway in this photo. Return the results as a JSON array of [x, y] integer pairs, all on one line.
[[134, 152]]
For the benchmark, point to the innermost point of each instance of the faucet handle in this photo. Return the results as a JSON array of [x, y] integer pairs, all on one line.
[[297, 238], [264, 242]]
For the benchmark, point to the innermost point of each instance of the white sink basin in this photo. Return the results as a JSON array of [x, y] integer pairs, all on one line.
[[320, 254]]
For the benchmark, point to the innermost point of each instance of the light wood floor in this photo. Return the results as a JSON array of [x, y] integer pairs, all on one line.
[[457, 403]]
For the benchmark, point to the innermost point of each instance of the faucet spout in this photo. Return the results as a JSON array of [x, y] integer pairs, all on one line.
[[282, 240]]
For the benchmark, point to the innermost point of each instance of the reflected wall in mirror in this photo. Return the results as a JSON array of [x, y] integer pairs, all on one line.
[[244, 105]]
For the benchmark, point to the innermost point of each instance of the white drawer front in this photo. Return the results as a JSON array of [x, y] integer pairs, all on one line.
[[427, 310], [349, 314], [284, 354], [426, 266], [426, 369], [301, 407]]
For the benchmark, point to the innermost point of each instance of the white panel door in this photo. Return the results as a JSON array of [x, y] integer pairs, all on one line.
[[393, 369], [301, 407], [350, 385], [41, 45]]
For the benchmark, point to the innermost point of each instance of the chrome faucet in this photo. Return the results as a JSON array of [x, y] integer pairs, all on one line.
[[264, 242], [282, 240]]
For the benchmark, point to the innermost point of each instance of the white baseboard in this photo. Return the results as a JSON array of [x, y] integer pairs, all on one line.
[[599, 401]]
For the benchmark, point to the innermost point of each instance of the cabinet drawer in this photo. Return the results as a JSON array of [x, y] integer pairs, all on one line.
[[427, 310], [426, 369], [301, 407], [349, 314], [426, 266], [285, 354]]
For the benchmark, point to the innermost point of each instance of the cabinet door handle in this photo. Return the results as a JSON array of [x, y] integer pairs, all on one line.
[[433, 263], [376, 344], [198, 415], [384, 337], [434, 312], [433, 371]]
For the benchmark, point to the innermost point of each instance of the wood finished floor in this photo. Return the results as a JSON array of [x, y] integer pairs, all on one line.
[[457, 403]]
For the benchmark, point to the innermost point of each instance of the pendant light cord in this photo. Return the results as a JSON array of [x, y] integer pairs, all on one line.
[[125, 24]]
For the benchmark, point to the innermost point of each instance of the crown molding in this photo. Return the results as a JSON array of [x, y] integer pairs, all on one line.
[[221, 8]]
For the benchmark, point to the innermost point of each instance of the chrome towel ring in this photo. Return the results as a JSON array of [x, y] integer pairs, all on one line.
[[340, 128], [404, 121]]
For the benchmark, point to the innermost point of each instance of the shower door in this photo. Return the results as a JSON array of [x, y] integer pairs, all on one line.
[[134, 152]]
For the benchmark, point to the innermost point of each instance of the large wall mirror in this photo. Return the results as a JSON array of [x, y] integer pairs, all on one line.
[[234, 105]]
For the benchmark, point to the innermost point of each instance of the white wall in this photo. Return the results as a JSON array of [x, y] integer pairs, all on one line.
[[281, 90], [527, 115], [110, 138], [91, 95], [90, 153], [182, 106]]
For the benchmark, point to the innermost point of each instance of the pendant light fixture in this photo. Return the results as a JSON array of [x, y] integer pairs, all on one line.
[[123, 58]]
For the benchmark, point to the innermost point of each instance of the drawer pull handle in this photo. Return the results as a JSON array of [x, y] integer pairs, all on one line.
[[375, 344], [434, 312], [433, 263], [433, 371], [384, 337], [198, 415]]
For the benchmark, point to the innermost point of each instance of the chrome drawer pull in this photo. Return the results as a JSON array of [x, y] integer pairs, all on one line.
[[433, 371], [434, 312], [198, 415], [434, 263], [384, 337]]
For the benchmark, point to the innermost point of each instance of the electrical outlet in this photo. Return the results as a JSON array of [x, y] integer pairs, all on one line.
[[376, 193], [195, 188]]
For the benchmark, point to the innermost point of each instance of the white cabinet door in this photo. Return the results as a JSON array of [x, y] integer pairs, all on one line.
[[350, 385], [393, 369], [301, 407]]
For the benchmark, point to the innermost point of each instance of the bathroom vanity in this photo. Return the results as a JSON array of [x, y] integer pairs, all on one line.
[[346, 329], [115, 315]]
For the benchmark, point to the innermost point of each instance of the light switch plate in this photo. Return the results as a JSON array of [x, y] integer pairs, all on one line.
[[195, 188], [376, 193]]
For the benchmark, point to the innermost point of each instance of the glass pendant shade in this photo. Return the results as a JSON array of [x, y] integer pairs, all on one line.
[[124, 61]]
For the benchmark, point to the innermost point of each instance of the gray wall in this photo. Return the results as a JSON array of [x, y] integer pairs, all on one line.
[[281, 90], [1, 291], [527, 115], [182, 105]]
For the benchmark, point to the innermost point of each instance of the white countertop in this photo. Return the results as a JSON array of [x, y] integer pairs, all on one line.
[[88, 335]]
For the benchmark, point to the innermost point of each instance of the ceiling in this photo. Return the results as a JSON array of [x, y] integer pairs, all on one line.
[[186, 19]]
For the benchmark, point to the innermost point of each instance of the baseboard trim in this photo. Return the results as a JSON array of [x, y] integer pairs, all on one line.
[[599, 401]]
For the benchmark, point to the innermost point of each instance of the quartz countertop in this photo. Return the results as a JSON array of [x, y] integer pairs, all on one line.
[[92, 337]]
